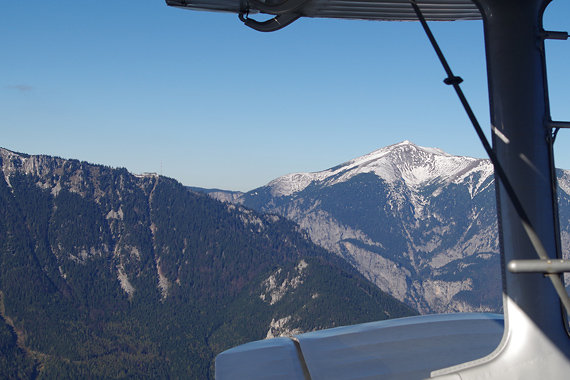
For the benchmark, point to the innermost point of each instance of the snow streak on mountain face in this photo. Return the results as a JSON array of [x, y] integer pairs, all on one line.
[[412, 164], [418, 222]]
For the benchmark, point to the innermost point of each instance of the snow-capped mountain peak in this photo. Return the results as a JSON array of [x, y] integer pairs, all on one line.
[[418, 222], [414, 165]]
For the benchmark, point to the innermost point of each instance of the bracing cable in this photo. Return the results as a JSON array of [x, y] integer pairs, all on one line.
[[455, 81]]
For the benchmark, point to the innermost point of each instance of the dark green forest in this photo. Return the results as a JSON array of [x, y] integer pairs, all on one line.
[[104, 274]]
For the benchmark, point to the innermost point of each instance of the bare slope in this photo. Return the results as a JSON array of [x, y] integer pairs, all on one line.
[[418, 222]]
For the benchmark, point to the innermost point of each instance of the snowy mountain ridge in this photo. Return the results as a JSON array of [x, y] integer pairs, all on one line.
[[404, 161], [418, 222]]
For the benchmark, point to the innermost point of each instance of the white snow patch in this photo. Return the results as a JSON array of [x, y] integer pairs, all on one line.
[[485, 169], [293, 183], [405, 161]]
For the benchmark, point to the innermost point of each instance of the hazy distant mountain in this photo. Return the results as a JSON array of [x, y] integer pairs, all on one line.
[[106, 274], [418, 222]]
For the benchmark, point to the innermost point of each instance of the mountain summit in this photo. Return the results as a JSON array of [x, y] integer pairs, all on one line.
[[418, 222], [404, 161]]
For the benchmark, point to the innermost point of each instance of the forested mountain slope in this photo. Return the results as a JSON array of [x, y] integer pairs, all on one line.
[[106, 274], [418, 222]]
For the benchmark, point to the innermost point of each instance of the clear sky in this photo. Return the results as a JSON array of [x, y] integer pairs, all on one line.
[[201, 98]]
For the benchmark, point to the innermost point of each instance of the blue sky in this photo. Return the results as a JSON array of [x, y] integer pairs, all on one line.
[[201, 98]]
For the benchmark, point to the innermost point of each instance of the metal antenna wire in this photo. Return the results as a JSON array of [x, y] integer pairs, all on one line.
[[455, 81]]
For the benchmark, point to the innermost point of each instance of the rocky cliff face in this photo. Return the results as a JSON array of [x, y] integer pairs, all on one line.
[[418, 222]]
